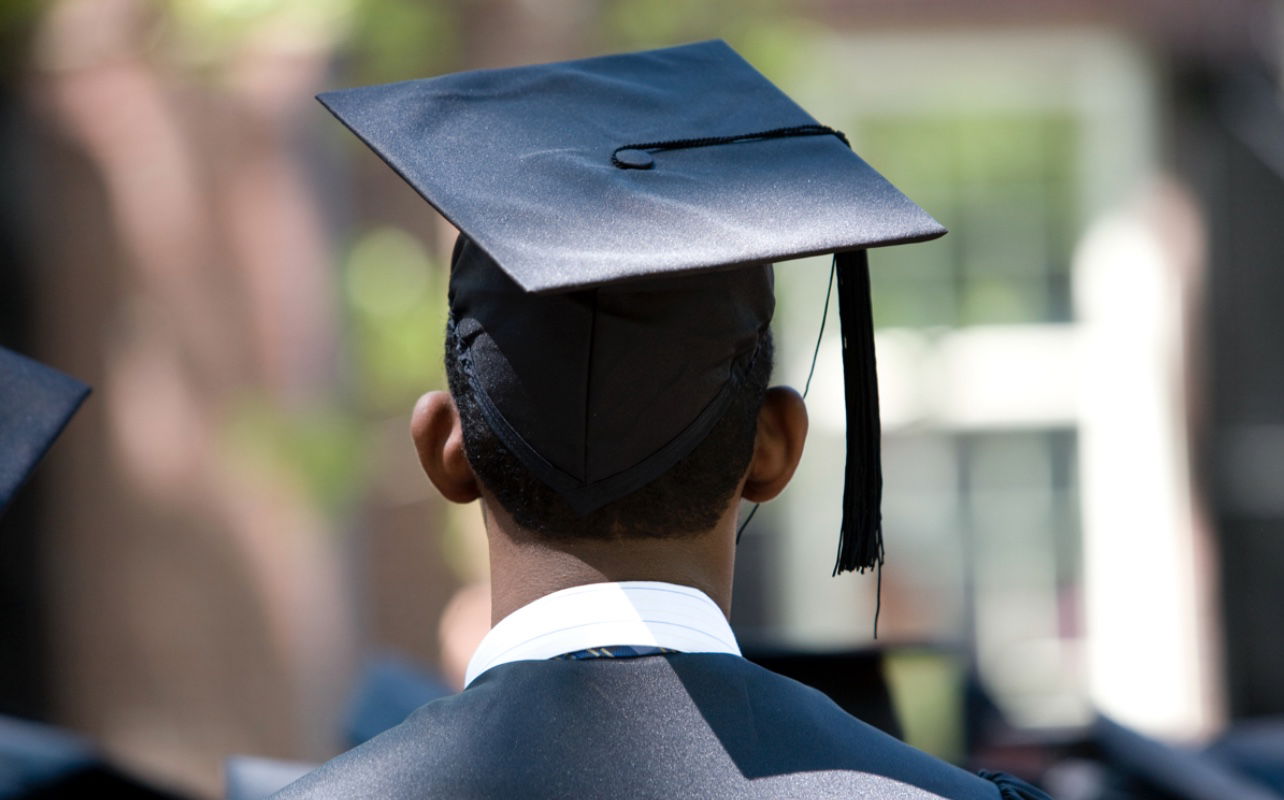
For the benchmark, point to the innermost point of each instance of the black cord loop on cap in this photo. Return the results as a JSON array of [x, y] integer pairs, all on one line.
[[710, 141]]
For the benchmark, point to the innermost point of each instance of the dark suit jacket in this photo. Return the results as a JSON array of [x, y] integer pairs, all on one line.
[[686, 725]]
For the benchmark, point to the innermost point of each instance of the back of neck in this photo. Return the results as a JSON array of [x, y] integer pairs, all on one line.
[[525, 566]]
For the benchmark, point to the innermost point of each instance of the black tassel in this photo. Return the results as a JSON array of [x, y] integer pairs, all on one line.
[[860, 544]]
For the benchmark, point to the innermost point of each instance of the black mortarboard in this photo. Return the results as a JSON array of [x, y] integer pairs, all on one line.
[[604, 204], [35, 403], [41, 762], [388, 690], [855, 679], [254, 778]]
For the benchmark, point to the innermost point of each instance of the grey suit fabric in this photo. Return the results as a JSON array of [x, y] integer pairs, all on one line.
[[682, 725]]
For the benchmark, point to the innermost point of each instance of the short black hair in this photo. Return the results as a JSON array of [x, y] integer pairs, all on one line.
[[686, 500]]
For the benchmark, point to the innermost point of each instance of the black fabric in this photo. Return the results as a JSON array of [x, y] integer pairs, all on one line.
[[36, 402], [854, 679], [1011, 788], [1160, 769], [860, 542], [646, 160], [520, 160], [565, 379], [41, 761], [685, 725]]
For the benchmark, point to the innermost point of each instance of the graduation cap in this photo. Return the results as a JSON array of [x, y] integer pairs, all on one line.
[[35, 404], [855, 679], [41, 762], [619, 219]]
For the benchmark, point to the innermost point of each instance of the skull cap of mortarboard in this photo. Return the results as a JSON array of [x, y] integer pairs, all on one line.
[[35, 404], [606, 206]]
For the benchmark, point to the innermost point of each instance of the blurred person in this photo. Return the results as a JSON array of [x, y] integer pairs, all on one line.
[[37, 760], [464, 623], [609, 357]]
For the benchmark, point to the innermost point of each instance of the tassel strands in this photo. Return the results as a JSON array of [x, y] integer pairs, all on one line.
[[860, 545]]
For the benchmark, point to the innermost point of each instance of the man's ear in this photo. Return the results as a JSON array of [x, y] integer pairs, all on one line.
[[778, 446], [439, 440]]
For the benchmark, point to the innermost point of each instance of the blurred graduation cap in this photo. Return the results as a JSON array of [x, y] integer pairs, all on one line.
[[1254, 748], [855, 679], [40, 761], [1160, 770], [388, 689], [619, 216], [254, 778], [35, 404]]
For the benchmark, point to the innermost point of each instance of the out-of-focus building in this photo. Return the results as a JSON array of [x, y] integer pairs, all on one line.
[[1081, 384]]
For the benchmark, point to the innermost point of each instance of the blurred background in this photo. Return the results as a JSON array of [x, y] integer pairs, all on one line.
[[1082, 385]]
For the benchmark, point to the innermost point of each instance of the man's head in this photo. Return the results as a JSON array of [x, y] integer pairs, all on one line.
[[722, 170], [656, 392], [687, 499]]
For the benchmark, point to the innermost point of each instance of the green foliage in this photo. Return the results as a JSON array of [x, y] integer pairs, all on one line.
[[1004, 184], [321, 449], [774, 45], [927, 693], [394, 297], [639, 24], [396, 300], [18, 19], [400, 39], [18, 15], [210, 30]]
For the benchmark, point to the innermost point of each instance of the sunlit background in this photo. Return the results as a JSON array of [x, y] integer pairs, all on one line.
[[1082, 385]]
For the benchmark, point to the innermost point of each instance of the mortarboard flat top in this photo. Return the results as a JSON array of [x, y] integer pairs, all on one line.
[[35, 403], [519, 160]]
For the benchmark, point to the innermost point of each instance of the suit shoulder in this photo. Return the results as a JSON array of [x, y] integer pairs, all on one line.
[[712, 726], [400, 762]]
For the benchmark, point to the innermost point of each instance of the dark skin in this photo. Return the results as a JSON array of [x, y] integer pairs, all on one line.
[[525, 567]]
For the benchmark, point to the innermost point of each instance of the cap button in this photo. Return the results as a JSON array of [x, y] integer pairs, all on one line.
[[634, 159]]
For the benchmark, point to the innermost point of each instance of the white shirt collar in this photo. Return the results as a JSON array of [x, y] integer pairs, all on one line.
[[648, 613]]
